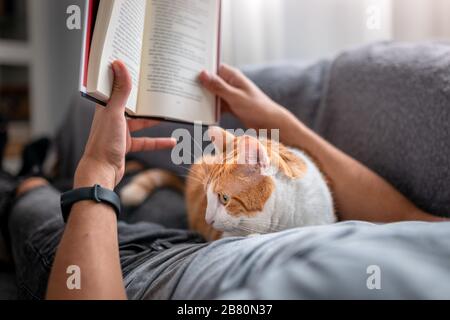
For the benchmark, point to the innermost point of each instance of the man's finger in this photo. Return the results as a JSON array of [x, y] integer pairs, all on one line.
[[138, 124], [234, 77], [121, 87], [218, 86], [151, 144]]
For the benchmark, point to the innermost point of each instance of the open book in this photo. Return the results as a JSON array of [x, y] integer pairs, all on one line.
[[164, 44]]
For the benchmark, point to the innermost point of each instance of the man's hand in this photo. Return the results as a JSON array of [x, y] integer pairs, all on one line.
[[249, 104], [244, 99], [110, 140]]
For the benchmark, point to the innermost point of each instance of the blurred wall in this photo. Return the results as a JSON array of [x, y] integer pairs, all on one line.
[[267, 30], [55, 63], [417, 20]]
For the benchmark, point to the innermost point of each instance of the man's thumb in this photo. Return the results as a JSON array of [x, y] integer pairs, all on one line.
[[122, 86]]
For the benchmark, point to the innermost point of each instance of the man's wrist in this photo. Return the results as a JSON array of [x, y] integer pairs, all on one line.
[[291, 129], [91, 172]]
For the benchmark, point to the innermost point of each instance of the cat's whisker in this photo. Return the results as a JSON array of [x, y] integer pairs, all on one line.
[[255, 230], [200, 181], [265, 222], [270, 227], [249, 230], [189, 173], [188, 170]]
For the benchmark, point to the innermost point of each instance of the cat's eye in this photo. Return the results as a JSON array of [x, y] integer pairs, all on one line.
[[224, 199]]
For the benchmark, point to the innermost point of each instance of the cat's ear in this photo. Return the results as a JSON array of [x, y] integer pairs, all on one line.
[[252, 152], [220, 138]]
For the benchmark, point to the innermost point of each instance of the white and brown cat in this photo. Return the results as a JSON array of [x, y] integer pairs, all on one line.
[[250, 186]]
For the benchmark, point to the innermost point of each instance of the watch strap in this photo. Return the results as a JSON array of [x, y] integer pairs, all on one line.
[[96, 194]]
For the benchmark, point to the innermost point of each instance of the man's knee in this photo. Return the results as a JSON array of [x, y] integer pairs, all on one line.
[[33, 210], [30, 185]]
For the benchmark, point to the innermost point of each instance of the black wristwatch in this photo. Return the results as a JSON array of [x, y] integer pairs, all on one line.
[[96, 194]]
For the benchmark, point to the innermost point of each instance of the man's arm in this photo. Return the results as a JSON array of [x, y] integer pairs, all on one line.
[[359, 193], [90, 240]]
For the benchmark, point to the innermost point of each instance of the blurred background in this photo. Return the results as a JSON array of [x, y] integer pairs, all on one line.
[[39, 56]]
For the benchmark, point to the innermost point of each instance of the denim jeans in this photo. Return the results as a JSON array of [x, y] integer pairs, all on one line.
[[36, 227]]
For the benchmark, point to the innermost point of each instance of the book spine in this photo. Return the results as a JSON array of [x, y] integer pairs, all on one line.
[[219, 56], [83, 58], [89, 24]]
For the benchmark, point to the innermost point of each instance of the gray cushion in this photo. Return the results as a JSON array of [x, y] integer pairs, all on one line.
[[388, 105]]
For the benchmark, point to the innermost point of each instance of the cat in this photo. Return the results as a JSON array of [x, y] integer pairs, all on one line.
[[249, 187]]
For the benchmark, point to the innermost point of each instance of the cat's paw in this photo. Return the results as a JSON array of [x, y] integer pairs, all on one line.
[[133, 195]]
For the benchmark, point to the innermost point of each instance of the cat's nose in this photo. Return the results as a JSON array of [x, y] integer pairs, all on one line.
[[210, 220]]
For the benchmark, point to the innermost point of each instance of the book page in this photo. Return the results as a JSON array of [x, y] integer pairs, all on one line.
[[181, 39], [124, 42]]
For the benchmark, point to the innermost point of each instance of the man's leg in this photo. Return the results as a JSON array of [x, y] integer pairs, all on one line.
[[35, 228]]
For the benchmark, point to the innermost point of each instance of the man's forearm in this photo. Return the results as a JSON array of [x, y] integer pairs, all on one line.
[[359, 193], [90, 242]]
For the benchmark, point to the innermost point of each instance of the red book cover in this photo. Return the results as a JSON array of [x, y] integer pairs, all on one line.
[[91, 8]]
